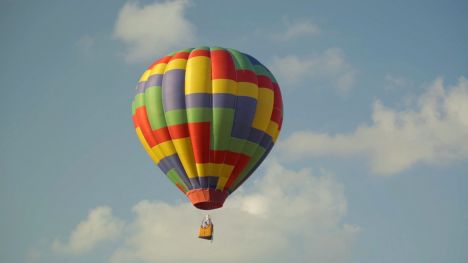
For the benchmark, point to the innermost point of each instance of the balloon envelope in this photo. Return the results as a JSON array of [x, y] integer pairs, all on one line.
[[207, 117]]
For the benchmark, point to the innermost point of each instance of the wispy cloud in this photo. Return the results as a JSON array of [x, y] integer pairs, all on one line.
[[150, 30], [33, 254], [330, 66], [99, 226], [393, 82], [434, 129], [85, 44], [296, 29]]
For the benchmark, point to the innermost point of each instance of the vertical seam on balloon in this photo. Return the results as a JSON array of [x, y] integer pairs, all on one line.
[[242, 178], [250, 125], [187, 182], [149, 123], [228, 146], [277, 93], [170, 135], [236, 163], [186, 117], [212, 127]]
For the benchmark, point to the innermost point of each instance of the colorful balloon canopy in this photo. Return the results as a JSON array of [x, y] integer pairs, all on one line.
[[207, 117]]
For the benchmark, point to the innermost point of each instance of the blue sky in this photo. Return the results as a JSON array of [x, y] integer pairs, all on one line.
[[373, 152]]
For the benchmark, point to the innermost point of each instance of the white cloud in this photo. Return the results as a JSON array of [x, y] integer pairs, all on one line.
[[152, 29], [434, 129], [288, 216], [330, 66], [99, 226], [297, 29]]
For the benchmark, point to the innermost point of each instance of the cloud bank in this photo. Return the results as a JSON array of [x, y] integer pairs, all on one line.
[[433, 129], [99, 226], [287, 216], [150, 30]]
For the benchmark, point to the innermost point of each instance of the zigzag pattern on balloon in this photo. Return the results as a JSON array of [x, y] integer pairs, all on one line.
[[207, 116]]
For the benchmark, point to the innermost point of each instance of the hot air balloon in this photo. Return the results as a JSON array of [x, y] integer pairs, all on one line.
[[207, 117]]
